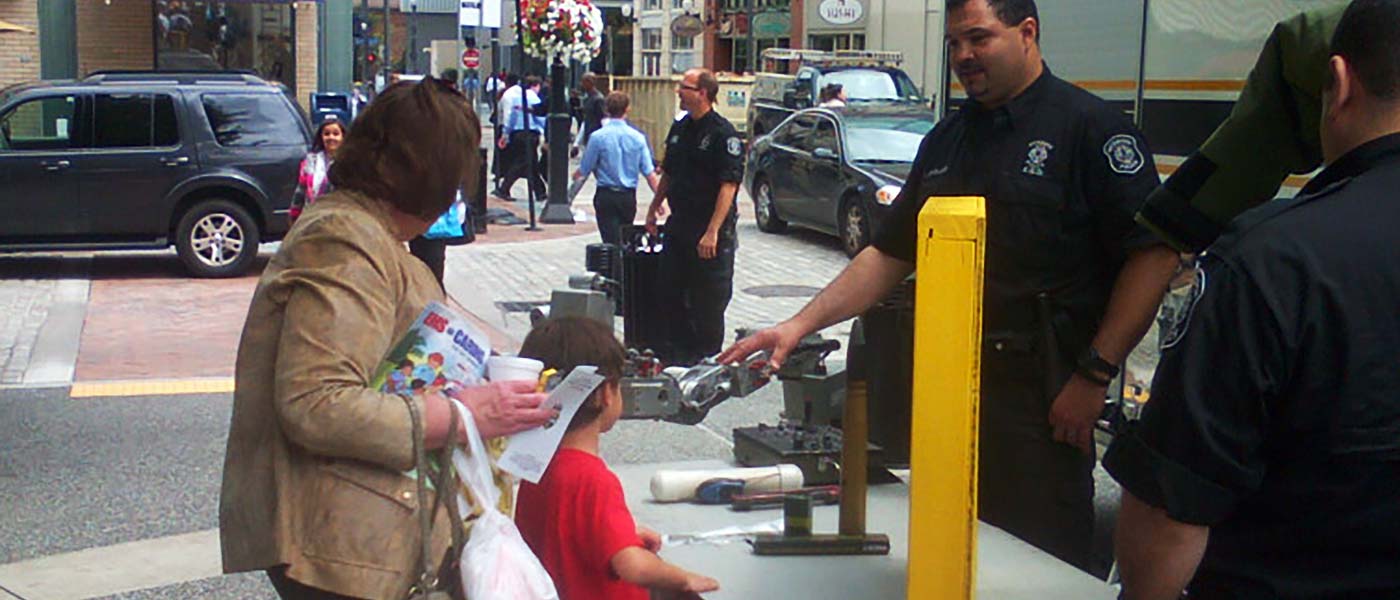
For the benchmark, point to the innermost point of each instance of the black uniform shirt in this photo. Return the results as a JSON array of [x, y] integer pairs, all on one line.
[[1063, 173], [700, 155], [1275, 412]]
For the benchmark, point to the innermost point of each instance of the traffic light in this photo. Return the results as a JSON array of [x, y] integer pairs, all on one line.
[[371, 57]]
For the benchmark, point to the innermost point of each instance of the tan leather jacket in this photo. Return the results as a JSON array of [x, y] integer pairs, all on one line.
[[314, 471]]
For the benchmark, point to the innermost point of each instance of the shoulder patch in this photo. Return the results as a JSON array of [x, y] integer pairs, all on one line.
[[1123, 154], [1175, 321], [735, 146]]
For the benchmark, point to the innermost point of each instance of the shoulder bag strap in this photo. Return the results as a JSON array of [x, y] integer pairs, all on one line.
[[425, 518]]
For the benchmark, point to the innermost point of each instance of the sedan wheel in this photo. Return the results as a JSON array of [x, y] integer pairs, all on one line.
[[765, 213], [855, 227]]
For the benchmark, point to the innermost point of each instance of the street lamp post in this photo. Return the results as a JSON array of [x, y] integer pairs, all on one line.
[[557, 209]]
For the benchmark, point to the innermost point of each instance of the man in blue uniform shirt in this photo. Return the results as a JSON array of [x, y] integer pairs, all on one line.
[[1267, 464]]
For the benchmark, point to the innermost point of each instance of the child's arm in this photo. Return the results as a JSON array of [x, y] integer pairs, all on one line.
[[639, 566]]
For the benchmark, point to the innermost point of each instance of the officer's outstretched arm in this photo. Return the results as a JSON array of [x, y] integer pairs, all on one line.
[[869, 277]]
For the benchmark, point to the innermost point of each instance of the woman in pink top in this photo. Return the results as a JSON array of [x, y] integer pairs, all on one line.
[[311, 177]]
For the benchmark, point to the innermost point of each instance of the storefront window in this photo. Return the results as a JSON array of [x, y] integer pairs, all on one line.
[[205, 36]]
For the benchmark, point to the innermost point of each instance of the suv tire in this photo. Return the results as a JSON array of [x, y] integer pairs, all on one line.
[[217, 238]]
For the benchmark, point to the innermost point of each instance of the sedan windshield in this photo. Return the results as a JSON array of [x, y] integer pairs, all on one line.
[[885, 139]]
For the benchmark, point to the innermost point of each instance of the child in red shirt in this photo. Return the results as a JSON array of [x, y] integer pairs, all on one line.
[[576, 519]]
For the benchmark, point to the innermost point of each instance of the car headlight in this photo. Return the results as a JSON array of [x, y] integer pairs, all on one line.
[[886, 194]]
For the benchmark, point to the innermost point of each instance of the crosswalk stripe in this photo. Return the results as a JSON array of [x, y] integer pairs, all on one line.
[[151, 387], [116, 569]]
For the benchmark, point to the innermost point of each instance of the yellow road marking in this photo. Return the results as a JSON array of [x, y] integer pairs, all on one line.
[[151, 387]]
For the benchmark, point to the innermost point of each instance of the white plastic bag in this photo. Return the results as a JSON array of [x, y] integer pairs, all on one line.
[[496, 563]]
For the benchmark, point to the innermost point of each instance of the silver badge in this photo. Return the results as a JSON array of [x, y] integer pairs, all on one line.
[[736, 147], [1036, 156], [1123, 154], [705, 143], [1177, 310]]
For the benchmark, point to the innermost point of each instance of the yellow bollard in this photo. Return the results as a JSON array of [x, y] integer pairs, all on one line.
[[947, 351]]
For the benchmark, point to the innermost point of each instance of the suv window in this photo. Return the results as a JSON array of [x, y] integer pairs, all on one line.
[[41, 124], [134, 121], [251, 120]]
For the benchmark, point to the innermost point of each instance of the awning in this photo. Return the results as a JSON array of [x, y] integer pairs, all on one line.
[[6, 26]]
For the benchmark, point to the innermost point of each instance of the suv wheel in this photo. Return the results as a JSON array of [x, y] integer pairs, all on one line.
[[765, 213], [854, 226], [217, 238]]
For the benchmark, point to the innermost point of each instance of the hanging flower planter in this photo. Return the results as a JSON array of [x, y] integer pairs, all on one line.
[[568, 29]]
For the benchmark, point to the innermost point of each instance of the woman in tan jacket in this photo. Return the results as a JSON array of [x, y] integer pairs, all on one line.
[[314, 490]]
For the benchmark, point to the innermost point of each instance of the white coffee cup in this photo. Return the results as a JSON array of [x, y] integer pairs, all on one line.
[[513, 368]]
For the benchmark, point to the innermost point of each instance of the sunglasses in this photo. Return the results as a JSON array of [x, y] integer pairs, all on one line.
[[693, 88]]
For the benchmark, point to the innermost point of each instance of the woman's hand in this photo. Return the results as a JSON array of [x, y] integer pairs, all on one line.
[[505, 407]]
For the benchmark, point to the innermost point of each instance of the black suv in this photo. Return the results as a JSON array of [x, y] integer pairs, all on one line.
[[206, 162]]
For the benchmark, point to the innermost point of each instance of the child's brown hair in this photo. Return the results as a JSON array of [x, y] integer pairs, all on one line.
[[567, 342]]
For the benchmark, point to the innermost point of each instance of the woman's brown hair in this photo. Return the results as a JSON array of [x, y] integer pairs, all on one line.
[[412, 147]]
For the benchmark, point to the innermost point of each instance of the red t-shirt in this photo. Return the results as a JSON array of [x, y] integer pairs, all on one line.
[[576, 520]]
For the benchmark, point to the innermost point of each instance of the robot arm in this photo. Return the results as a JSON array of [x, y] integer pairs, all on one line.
[[686, 394]]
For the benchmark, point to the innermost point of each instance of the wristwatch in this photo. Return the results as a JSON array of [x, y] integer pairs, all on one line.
[[1093, 367]]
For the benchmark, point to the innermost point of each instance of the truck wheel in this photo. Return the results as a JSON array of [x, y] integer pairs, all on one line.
[[217, 238], [765, 213], [854, 227]]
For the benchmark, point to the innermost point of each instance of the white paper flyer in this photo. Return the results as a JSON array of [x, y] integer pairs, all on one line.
[[528, 453]]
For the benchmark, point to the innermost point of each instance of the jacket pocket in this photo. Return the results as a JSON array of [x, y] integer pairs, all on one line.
[[362, 516]]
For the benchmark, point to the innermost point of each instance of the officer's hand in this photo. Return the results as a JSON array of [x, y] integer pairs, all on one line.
[[708, 245], [653, 213], [780, 339], [501, 142], [1075, 411]]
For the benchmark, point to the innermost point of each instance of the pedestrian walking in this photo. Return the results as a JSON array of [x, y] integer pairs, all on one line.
[[700, 176], [1265, 465], [592, 111], [521, 129], [617, 155], [317, 484], [1063, 172]]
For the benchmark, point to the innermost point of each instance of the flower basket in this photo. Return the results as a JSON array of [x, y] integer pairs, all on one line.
[[568, 29]]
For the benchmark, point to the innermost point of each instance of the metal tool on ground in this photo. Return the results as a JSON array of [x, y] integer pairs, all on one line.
[[851, 536]]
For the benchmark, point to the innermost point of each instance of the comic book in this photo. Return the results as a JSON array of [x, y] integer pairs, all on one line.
[[442, 349]]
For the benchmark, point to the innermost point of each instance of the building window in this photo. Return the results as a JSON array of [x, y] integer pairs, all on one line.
[[840, 41], [651, 64], [651, 38], [678, 4], [258, 37], [682, 62], [652, 5], [682, 43]]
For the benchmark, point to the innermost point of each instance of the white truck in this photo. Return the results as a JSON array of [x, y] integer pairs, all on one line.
[[867, 76]]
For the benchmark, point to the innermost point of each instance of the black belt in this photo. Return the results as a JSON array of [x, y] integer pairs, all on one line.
[[616, 189]]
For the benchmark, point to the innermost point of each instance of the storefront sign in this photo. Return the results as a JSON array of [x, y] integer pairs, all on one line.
[[841, 12], [687, 26], [772, 25]]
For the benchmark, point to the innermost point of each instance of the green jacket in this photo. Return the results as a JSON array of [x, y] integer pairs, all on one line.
[[1271, 132]]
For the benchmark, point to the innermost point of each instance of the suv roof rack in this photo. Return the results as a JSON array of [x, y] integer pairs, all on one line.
[[867, 58], [178, 77]]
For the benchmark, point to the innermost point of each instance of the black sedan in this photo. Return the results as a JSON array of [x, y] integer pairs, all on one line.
[[835, 170]]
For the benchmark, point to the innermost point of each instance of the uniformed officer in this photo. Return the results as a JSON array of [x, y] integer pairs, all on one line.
[[1267, 464], [1063, 173], [700, 175]]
